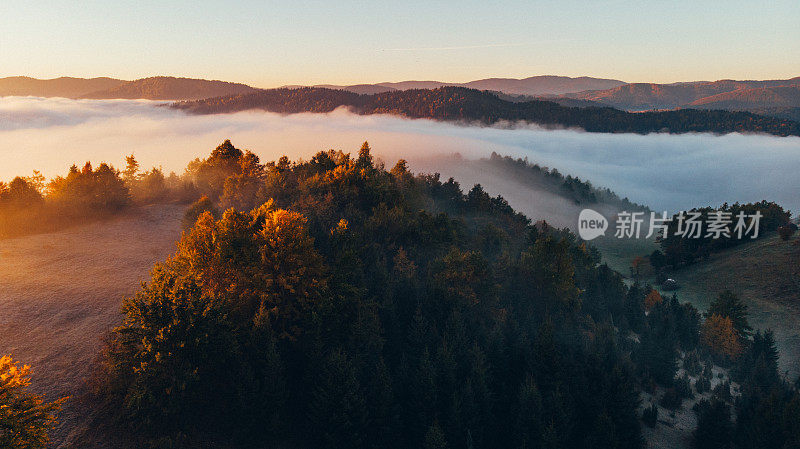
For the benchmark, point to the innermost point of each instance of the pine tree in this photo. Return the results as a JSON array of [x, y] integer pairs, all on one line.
[[714, 428], [434, 438], [337, 412], [270, 392], [364, 157], [529, 426], [729, 305], [131, 173]]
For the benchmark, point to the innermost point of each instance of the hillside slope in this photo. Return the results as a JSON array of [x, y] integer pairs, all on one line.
[[747, 99]]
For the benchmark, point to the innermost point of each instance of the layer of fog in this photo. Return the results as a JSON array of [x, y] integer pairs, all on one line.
[[665, 172]]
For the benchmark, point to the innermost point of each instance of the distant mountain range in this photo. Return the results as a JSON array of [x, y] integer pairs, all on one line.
[[59, 87], [773, 96], [460, 104], [776, 98], [171, 88]]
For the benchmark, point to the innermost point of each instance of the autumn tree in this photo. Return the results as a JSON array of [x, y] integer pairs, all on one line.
[[652, 299], [364, 157], [131, 173], [245, 190], [209, 175], [25, 418], [89, 191], [19, 194], [636, 267], [719, 335], [196, 209], [195, 324]]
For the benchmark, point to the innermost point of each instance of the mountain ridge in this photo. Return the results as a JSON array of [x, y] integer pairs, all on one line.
[[530, 86], [649, 96], [64, 86], [761, 97]]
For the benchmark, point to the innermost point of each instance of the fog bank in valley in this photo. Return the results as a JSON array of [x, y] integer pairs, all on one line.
[[665, 172]]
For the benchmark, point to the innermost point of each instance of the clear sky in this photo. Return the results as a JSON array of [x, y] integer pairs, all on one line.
[[267, 44]]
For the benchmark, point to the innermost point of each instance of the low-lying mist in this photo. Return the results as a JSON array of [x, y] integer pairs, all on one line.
[[665, 172]]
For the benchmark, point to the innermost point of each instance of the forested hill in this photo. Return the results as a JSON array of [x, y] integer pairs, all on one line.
[[170, 88], [470, 105]]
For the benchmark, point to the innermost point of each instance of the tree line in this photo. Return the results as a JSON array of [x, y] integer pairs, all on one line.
[[679, 250], [462, 104], [30, 204], [572, 187]]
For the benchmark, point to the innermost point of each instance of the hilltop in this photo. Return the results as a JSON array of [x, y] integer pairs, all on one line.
[[171, 88], [322, 273]]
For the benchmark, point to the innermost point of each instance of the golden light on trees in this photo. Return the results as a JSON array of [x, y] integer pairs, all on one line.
[[25, 418], [719, 335]]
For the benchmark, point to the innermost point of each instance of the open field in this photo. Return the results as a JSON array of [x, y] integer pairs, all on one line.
[[61, 292]]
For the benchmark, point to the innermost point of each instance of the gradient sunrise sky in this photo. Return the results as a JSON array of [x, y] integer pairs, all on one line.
[[267, 44]]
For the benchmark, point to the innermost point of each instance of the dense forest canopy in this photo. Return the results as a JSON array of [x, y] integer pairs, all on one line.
[[359, 307], [470, 105], [338, 304]]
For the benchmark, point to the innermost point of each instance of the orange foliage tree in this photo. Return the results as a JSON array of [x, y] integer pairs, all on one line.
[[652, 299], [719, 335], [25, 418]]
